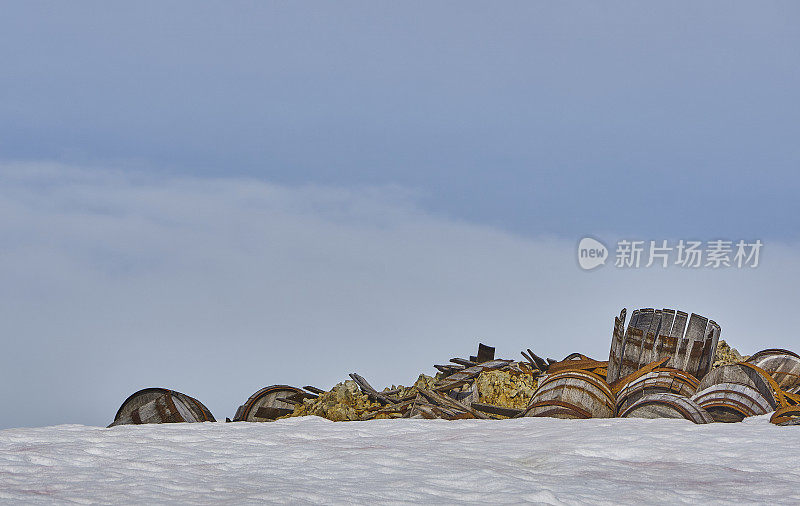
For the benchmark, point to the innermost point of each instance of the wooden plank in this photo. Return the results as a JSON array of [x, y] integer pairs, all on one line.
[[371, 392], [314, 390], [448, 401], [485, 353], [272, 413], [617, 345], [297, 397], [448, 369], [540, 362], [497, 410], [667, 319], [679, 324], [463, 361], [467, 374]]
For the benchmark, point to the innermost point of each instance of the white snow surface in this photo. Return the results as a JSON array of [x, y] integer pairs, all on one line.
[[312, 460]]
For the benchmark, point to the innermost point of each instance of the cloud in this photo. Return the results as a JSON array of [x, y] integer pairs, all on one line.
[[112, 281]]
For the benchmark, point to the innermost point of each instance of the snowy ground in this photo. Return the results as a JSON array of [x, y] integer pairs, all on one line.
[[313, 460]]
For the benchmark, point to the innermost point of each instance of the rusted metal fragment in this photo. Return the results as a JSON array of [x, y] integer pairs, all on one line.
[[586, 364]]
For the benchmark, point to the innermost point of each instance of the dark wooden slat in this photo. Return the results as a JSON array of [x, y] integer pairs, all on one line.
[[448, 369], [467, 374], [540, 362], [314, 390], [271, 413], [296, 397], [463, 361], [485, 353], [371, 392], [497, 410], [436, 397], [289, 400]]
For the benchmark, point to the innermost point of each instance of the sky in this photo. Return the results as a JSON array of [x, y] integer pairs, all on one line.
[[221, 196]]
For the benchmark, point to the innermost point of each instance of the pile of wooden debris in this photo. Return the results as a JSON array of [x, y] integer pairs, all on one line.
[[478, 387], [666, 363]]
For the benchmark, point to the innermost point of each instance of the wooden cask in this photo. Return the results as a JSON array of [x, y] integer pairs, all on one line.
[[788, 415], [733, 392], [572, 394], [689, 342], [667, 405], [267, 404], [661, 380], [782, 365], [161, 405]]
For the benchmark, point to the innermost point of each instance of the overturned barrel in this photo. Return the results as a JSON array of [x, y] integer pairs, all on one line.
[[733, 392], [161, 405], [659, 381], [667, 405], [782, 365], [268, 404], [572, 394], [787, 415]]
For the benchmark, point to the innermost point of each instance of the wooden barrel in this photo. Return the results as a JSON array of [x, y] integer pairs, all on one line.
[[572, 394], [788, 415], [161, 405], [267, 404], [732, 392], [689, 342], [667, 405], [661, 380], [782, 365]]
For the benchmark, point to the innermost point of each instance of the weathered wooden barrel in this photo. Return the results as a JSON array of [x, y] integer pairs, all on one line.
[[667, 405], [782, 365], [689, 342], [161, 405], [733, 392], [267, 404], [572, 394], [661, 380], [788, 415]]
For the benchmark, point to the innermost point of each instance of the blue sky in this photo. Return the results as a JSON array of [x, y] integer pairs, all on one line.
[[540, 117], [261, 179]]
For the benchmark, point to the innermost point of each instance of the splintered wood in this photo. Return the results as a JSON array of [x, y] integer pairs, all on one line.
[[663, 364]]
